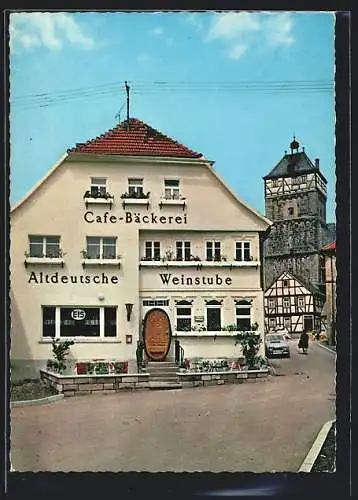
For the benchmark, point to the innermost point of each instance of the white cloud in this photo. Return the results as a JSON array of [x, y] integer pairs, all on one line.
[[237, 51], [157, 31], [278, 29], [233, 24], [50, 30], [241, 32], [195, 19]]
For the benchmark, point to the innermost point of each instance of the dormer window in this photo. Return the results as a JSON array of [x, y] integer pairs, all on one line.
[[171, 189], [135, 188], [98, 187]]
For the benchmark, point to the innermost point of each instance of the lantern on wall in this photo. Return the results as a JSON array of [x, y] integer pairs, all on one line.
[[129, 308]]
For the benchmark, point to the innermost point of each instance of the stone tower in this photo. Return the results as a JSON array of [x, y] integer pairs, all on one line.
[[295, 201]]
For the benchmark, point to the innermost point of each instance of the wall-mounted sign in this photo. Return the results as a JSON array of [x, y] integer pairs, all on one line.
[[199, 319], [78, 314], [134, 218], [170, 279], [157, 334]]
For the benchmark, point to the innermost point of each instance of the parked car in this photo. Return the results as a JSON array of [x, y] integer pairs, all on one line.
[[276, 346]]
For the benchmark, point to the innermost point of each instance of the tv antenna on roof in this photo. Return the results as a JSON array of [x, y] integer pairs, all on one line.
[[127, 91], [118, 115]]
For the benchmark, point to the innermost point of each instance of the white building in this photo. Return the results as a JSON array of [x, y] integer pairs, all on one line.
[[125, 223]]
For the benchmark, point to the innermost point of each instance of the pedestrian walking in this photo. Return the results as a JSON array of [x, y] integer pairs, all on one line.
[[303, 342]]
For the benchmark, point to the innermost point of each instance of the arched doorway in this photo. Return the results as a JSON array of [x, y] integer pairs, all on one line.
[[157, 334]]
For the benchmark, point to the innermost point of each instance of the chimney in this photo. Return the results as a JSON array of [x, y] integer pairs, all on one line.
[[316, 163]]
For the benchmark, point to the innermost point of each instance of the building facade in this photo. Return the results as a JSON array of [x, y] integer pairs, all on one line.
[[291, 305], [330, 279], [130, 222]]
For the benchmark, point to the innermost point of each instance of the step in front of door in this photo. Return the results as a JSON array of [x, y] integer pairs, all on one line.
[[155, 385]]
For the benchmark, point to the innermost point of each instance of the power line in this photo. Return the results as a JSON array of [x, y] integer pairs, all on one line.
[[157, 88]]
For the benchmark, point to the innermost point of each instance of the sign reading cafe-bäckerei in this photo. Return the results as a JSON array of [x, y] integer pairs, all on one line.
[[134, 218]]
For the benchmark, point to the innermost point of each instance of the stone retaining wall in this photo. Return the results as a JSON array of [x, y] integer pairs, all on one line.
[[198, 379], [80, 385]]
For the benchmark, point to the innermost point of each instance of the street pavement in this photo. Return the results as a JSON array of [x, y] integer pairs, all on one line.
[[258, 427]]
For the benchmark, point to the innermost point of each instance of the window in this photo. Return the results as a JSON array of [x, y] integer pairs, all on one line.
[[243, 250], [183, 310], [275, 183], [101, 247], [213, 250], [213, 316], [98, 187], [44, 246], [171, 189], [183, 250], [272, 303], [287, 322], [301, 302], [272, 322], [155, 302], [285, 283], [243, 315], [79, 321], [286, 302], [290, 211], [48, 321], [135, 188], [152, 250]]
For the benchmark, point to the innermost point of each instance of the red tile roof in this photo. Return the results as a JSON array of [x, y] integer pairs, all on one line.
[[134, 137], [330, 246]]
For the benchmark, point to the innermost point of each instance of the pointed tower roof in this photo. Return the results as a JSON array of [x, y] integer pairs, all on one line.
[[294, 164], [134, 137]]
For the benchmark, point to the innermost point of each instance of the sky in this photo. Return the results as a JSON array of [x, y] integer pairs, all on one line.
[[235, 86]]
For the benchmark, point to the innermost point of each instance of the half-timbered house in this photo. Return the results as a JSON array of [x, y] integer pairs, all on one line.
[[293, 305]]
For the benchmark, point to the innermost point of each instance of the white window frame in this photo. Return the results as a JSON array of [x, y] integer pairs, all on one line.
[[286, 283], [185, 247], [98, 184], [135, 186], [301, 302], [101, 335], [272, 303], [154, 246], [287, 322], [45, 245], [286, 302], [180, 306], [272, 322], [101, 246], [171, 191], [215, 247], [244, 248], [243, 305]]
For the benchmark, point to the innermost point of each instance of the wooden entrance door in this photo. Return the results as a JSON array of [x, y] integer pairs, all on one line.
[[157, 334]]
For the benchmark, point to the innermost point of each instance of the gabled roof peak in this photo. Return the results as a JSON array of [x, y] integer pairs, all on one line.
[[134, 137]]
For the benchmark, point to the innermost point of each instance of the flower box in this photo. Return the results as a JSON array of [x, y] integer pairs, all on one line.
[[101, 367]]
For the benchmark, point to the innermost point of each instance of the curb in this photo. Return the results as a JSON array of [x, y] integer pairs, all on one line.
[[312, 455], [32, 402], [327, 348]]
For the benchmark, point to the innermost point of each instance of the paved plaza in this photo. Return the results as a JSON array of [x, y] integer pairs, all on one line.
[[260, 427]]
